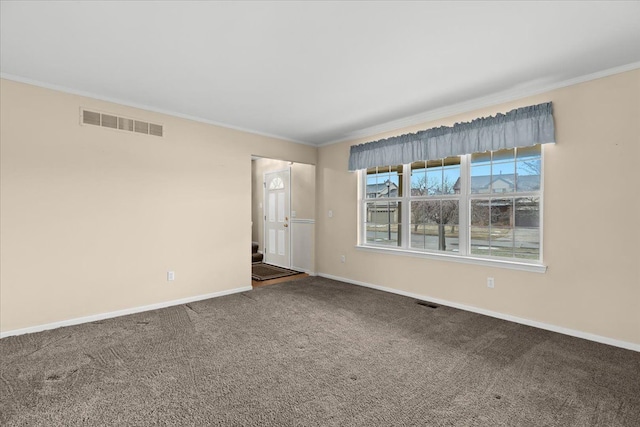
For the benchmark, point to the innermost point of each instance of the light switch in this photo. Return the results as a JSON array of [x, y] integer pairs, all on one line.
[[293, 214], [330, 213]]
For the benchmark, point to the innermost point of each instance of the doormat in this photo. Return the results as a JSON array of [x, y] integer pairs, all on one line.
[[261, 271]]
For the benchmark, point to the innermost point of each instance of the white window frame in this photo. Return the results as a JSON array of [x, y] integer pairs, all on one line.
[[464, 248]]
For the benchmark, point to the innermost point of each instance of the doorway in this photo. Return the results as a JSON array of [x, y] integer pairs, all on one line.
[[295, 208]]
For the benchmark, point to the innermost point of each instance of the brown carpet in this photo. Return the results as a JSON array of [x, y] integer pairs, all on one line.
[[261, 271], [314, 352]]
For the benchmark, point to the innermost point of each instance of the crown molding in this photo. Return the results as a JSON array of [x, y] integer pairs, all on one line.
[[476, 104], [416, 119], [65, 89]]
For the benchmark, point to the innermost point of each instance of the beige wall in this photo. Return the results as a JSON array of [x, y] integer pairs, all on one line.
[[591, 221], [303, 198], [93, 218]]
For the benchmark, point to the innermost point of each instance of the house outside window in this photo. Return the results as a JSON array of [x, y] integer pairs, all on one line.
[[485, 205]]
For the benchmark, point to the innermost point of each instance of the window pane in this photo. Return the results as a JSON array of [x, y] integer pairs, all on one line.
[[434, 225], [395, 182], [449, 228], [527, 231], [434, 180], [418, 215], [451, 176], [501, 240], [503, 178], [384, 181], [528, 168], [501, 212], [372, 183], [430, 224], [418, 179], [479, 231], [432, 212], [527, 212], [527, 243], [502, 156], [501, 237], [481, 172], [526, 153], [450, 212], [503, 172], [419, 211], [370, 225], [435, 177], [383, 227]]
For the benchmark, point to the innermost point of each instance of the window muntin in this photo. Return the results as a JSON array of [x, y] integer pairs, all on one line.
[[485, 205]]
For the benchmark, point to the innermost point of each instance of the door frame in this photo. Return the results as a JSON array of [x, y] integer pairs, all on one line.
[[287, 214]]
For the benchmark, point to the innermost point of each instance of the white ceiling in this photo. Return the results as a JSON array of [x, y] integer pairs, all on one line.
[[312, 72]]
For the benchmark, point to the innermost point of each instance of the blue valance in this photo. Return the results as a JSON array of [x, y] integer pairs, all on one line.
[[521, 127]]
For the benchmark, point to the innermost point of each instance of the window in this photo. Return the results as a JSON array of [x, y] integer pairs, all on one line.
[[482, 206]]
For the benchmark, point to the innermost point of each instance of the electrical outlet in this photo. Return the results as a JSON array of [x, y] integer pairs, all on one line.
[[171, 276], [343, 258], [490, 282]]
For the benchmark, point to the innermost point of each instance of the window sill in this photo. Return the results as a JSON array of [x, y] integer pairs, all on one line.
[[512, 265]]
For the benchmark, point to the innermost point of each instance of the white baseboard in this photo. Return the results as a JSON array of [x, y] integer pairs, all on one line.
[[303, 270], [118, 313], [508, 317]]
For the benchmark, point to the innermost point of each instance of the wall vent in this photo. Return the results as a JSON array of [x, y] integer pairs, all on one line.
[[121, 123]]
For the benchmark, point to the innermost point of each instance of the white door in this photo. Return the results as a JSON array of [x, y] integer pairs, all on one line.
[[277, 197]]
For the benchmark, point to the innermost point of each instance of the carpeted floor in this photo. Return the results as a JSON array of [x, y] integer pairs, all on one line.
[[314, 352]]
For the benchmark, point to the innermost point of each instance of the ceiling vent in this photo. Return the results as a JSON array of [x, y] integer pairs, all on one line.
[[120, 123]]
